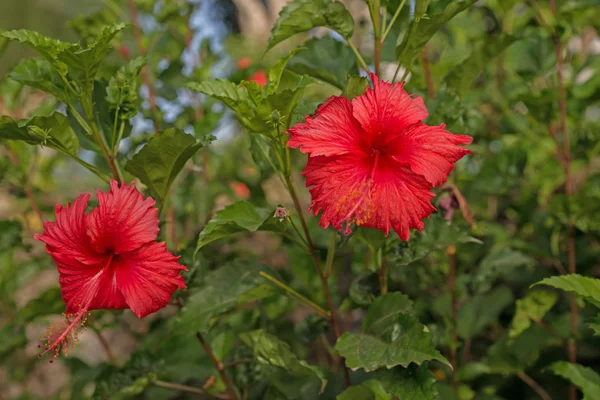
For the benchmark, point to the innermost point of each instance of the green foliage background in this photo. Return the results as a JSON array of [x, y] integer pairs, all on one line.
[[492, 293]]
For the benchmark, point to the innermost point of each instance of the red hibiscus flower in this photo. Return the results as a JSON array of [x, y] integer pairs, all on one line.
[[259, 77], [109, 259], [373, 162]]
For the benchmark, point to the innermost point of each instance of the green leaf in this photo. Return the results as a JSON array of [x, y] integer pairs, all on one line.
[[53, 131], [390, 337], [437, 234], [586, 379], [412, 383], [284, 102], [594, 324], [129, 381], [228, 287], [367, 390], [326, 59], [303, 15], [268, 350], [276, 70], [83, 64], [160, 161], [40, 74], [238, 217], [461, 77], [587, 288], [385, 310], [123, 88], [10, 234], [482, 310], [424, 29], [47, 47], [234, 96], [532, 307], [357, 85], [47, 303]]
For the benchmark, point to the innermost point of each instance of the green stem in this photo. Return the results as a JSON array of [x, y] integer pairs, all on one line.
[[389, 28], [382, 272], [361, 61], [377, 29], [119, 137], [298, 232], [316, 307]]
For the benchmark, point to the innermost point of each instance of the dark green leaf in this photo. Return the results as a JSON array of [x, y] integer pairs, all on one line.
[[53, 131], [160, 161], [357, 85], [412, 383], [40, 74], [482, 310], [437, 234], [326, 59], [10, 234], [303, 15], [276, 70], [238, 217], [126, 382], [532, 307], [367, 390], [594, 324], [269, 350], [461, 77], [390, 337], [584, 378], [234, 96], [585, 287], [224, 289], [424, 29]]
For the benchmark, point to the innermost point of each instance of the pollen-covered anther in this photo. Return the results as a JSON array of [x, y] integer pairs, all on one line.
[[64, 335]]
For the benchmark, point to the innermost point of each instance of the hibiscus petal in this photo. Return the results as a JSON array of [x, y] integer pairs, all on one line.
[[430, 151], [348, 187], [81, 268], [387, 108], [147, 277], [123, 220], [332, 131]]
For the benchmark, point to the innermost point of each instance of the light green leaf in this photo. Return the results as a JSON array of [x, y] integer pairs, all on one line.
[[389, 338], [482, 310], [223, 290], [461, 77], [123, 88], [234, 96], [357, 85], [587, 288], [238, 217], [160, 161], [586, 379], [53, 131], [532, 307], [47, 47], [268, 350], [83, 64], [303, 15], [437, 234], [594, 324], [276, 70], [424, 29], [285, 102], [326, 59], [40, 74]]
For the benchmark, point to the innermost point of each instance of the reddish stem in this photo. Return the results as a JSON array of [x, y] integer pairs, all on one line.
[[425, 59], [143, 51], [218, 365]]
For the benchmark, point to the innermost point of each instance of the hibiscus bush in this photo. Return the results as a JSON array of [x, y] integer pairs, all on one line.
[[374, 199]]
